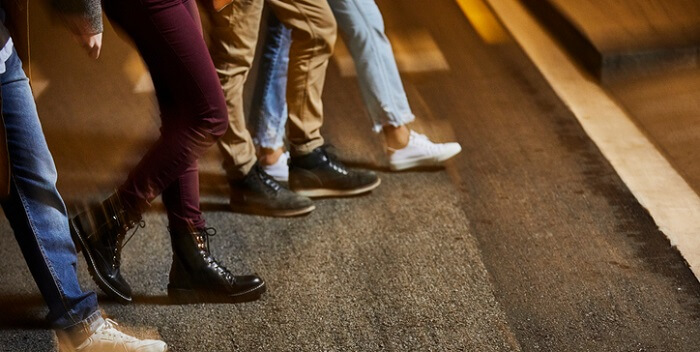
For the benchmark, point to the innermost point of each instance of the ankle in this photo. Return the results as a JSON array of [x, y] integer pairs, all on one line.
[[270, 156], [396, 137]]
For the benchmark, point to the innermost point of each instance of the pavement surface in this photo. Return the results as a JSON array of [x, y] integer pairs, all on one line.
[[527, 241]]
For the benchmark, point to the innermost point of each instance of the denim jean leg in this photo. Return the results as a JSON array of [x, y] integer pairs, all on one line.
[[272, 115], [361, 24], [35, 209]]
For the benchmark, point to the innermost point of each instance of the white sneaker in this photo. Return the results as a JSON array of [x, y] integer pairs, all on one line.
[[279, 170], [420, 151], [108, 339]]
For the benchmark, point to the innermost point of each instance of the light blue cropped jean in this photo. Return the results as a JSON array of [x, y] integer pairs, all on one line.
[[362, 27]]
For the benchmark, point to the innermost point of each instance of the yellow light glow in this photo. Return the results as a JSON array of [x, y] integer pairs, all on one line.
[[483, 21]]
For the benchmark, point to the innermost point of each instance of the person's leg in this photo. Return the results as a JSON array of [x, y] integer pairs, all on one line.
[[233, 38], [313, 36], [362, 27], [35, 209], [271, 117], [181, 197], [193, 113], [39, 220], [313, 172], [234, 34]]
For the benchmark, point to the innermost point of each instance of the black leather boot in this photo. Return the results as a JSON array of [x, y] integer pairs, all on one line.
[[99, 231], [196, 276]]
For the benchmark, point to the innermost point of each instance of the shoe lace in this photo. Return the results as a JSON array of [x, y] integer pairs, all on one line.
[[119, 220], [203, 237], [269, 181], [109, 330], [118, 246], [203, 243], [333, 162], [423, 141]]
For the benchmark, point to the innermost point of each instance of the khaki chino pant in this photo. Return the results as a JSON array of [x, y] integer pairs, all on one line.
[[234, 35]]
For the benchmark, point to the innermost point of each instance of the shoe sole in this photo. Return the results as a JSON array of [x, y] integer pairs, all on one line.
[[283, 213], [190, 296], [328, 192], [422, 162], [81, 245]]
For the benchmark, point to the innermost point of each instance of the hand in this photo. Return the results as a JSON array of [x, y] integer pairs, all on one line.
[[92, 43]]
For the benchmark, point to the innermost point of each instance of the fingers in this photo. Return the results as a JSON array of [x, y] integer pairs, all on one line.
[[94, 52], [92, 44]]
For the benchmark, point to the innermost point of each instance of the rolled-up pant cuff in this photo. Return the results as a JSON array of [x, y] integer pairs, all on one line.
[[306, 148], [395, 121], [78, 333], [236, 172]]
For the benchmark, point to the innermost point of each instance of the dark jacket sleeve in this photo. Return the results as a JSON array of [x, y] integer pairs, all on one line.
[[81, 16]]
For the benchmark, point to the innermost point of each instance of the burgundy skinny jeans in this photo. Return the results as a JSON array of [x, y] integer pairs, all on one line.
[[168, 34]]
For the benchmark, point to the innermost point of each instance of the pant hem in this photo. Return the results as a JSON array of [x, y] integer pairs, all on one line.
[[306, 148], [261, 143], [76, 334], [237, 172], [396, 122]]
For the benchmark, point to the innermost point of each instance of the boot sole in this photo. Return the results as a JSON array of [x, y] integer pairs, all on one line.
[[81, 246], [190, 296], [283, 213], [329, 192]]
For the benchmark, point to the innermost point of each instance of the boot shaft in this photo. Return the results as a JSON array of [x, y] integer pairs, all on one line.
[[196, 276], [193, 265]]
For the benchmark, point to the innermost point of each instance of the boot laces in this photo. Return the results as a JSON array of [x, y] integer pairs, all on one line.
[[119, 221], [202, 238], [118, 246]]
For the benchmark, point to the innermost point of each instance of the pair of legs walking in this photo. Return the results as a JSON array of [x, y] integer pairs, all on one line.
[[168, 35], [361, 24], [315, 173]]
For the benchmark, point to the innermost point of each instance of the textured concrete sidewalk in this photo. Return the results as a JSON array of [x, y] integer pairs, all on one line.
[[395, 270]]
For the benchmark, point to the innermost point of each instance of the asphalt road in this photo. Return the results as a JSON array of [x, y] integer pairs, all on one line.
[[526, 241]]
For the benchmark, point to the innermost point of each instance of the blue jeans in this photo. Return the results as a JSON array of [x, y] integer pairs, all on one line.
[[361, 24], [272, 115], [36, 211]]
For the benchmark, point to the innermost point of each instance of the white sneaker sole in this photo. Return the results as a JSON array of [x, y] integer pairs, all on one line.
[[423, 161], [327, 192]]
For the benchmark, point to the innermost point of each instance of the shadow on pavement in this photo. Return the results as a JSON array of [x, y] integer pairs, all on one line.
[[22, 312]]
